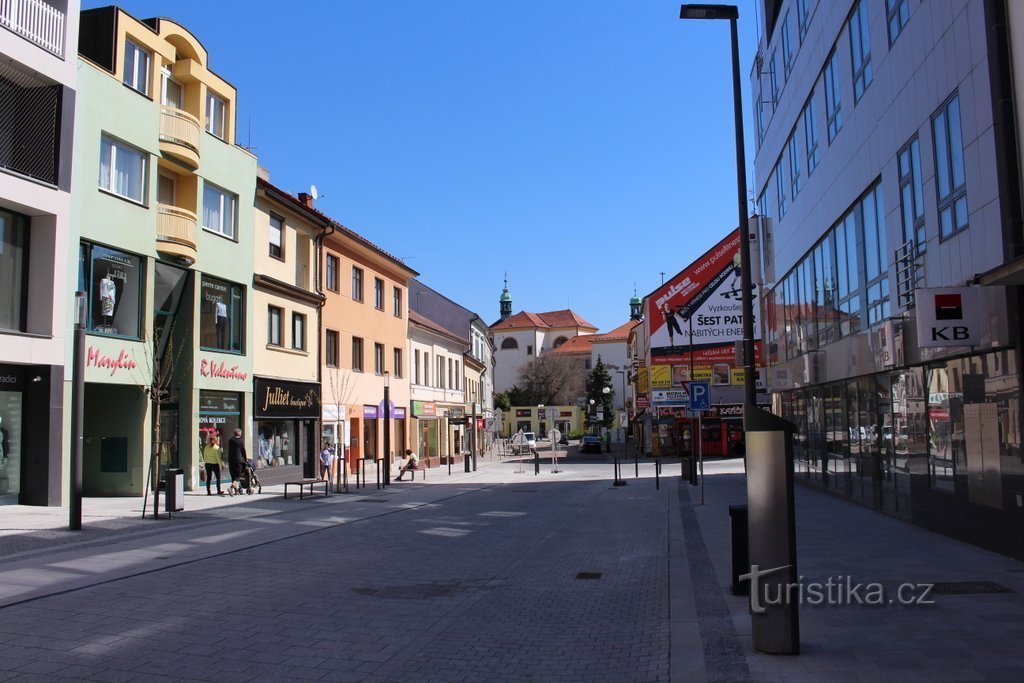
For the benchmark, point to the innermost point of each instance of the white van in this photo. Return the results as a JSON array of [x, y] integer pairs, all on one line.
[[523, 442]]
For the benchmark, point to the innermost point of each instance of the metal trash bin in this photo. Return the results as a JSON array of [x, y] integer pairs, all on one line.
[[175, 492], [740, 549]]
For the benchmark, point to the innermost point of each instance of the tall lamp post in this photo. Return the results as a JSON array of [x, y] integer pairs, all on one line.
[[771, 520], [77, 414], [387, 429], [625, 443]]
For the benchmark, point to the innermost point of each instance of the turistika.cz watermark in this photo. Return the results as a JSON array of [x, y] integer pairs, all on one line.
[[840, 591]]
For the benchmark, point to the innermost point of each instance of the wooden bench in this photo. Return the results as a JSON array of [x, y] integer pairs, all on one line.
[[303, 483], [419, 468]]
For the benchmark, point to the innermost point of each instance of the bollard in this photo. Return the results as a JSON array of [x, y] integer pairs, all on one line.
[[740, 549], [536, 462]]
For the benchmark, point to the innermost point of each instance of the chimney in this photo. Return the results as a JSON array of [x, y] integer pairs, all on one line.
[[306, 199]]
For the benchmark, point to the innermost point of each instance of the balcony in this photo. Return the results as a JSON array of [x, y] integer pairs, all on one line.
[[179, 135], [35, 21], [176, 233]]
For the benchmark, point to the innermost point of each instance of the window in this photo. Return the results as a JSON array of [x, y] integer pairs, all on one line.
[[113, 282], [221, 315], [898, 14], [136, 67], [912, 195], [331, 272], [378, 359], [397, 301], [357, 283], [416, 367], [331, 349], [378, 294], [357, 354], [760, 118], [298, 331], [439, 375], [788, 54], [451, 378], [950, 183], [274, 325], [276, 228], [13, 270], [457, 373], [219, 210], [215, 114], [803, 17], [860, 49], [833, 108], [171, 92], [780, 188], [509, 343], [426, 369], [773, 77], [529, 349], [166, 189], [559, 342], [397, 366], [810, 117], [876, 267], [794, 164], [122, 170]]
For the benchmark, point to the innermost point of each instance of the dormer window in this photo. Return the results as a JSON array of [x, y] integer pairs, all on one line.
[[216, 110], [136, 67]]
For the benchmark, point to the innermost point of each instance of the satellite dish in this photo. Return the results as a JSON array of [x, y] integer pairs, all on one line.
[[313, 193]]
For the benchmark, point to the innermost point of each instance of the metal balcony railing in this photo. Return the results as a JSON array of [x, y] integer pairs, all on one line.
[[29, 124], [36, 21]]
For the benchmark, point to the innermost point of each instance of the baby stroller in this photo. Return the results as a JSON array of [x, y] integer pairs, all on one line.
[[249, 480]]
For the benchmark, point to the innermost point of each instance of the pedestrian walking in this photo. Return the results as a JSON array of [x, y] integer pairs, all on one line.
[[236, 461], [212, 456], [326, 461]]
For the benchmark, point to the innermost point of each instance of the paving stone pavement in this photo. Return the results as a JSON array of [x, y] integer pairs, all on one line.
[[480, 577]]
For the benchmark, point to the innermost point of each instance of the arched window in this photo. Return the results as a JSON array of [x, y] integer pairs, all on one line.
[[559, 342], [509, 343]]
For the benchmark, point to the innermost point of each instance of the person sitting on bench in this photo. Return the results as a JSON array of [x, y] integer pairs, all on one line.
[[411, 464]]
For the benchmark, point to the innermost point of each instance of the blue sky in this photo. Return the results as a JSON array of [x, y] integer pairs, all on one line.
[[583, 147]]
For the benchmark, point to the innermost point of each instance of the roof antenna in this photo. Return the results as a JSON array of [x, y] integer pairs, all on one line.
[[663, 277]]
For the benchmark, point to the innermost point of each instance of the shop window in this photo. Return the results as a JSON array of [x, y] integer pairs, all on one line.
[[168, 286], [275, 446], [112, 281], [220, 413], [10, 437], [13, 270], [221, 315]]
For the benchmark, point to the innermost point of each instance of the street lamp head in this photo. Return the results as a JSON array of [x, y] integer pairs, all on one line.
[[606, 390], [709, 12], [591, 401], [81, 309]]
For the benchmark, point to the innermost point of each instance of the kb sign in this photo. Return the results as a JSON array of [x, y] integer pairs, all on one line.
[[949, 316]]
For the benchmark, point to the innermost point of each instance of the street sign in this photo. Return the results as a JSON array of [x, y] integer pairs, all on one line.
[[700, 396]]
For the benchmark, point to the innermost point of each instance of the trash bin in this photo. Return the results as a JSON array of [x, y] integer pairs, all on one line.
[[175, 494], [740, 549]]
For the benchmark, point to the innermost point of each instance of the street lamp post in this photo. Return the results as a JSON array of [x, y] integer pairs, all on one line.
[[387, 429], [77, 414], [625, 442], [771, 518]]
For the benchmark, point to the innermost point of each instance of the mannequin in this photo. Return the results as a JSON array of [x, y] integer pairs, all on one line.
[[221, 311], [108, 297], [266, 449], [4, 445]]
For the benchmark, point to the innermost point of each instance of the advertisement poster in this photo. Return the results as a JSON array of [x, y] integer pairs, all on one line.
[[701, 308]]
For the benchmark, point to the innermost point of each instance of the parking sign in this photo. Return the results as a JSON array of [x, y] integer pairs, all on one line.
[[700, 396]]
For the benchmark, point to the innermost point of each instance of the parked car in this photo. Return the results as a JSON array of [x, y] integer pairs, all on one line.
[[525, 442], [590, 444]]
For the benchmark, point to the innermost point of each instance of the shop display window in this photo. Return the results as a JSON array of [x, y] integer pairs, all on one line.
[[112, 281], [276, 443], [10, 443], [221, 315]]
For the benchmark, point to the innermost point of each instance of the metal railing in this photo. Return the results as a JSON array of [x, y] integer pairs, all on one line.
[[176, 225], [36, 21], [178, 126], [909, 273], [29, 124]]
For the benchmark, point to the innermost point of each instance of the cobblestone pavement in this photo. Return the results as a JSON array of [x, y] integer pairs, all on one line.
[[496, 575]]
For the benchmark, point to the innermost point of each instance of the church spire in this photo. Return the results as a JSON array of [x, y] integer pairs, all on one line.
[[506, 301], [635, 306]]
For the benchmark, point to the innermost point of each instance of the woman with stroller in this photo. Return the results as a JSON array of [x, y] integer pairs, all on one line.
[[212, 455], [236, 461]]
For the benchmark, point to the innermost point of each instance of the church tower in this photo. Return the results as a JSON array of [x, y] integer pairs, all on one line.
[[635, 306], [505, 301]]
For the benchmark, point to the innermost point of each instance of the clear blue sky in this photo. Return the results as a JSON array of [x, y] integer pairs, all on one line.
[[583, 146]]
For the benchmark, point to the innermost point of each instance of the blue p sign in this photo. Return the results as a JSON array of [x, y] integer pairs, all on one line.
[[700, 396]]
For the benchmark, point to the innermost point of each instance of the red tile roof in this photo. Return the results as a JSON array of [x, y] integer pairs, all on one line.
[[551, 319], [579, 344], [620, 333]]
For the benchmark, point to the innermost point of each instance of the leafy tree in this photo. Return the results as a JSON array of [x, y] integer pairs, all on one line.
[[552, 380], [597, 381], [502, 401]]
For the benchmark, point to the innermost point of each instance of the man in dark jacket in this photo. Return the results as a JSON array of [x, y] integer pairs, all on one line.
[[236, 460]]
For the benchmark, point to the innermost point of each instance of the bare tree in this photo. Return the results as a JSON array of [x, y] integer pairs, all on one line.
[[552, 380], [340, 388]]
